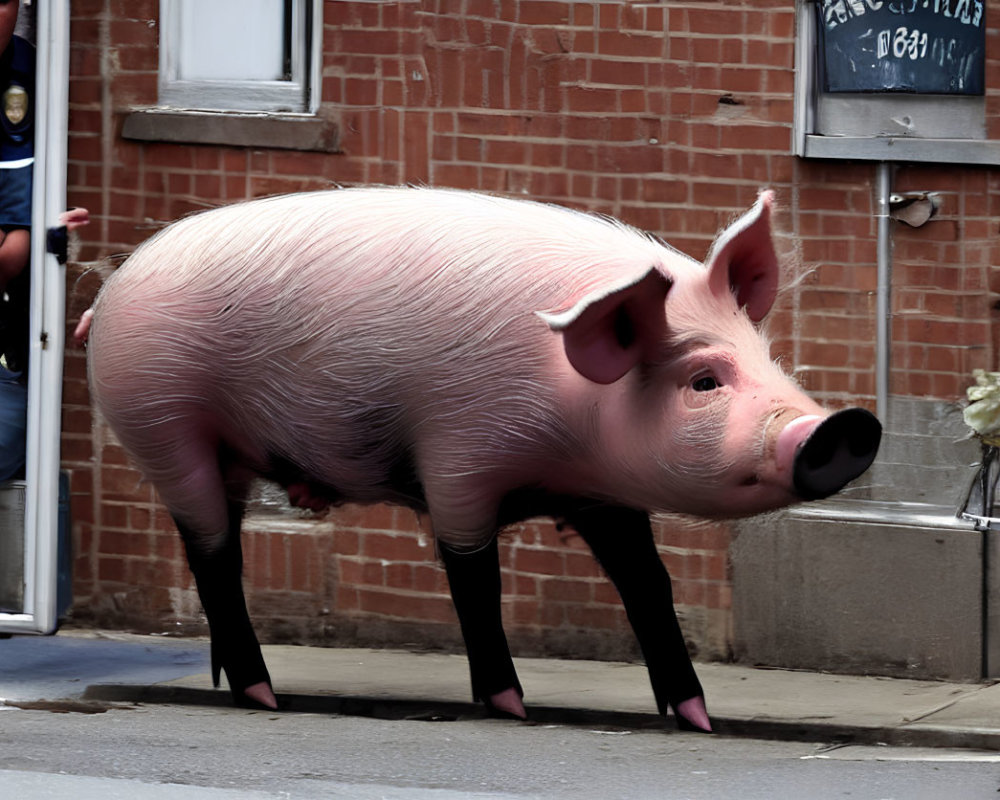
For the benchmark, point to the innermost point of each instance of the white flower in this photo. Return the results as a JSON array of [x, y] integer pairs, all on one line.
[[983, 412]]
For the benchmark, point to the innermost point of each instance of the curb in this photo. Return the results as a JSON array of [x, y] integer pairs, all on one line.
[[431, 710]]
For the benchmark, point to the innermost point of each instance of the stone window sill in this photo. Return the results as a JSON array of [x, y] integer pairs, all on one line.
[[280, 131], [978, 152]]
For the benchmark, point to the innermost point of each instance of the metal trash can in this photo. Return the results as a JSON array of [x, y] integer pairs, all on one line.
[[12, 494], [12, 539]]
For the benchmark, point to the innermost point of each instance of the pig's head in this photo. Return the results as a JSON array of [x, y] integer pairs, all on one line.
[[689, 410]]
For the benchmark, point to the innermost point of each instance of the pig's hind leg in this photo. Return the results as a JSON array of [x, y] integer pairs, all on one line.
[[207, 506], [218, 574], [622, 541]]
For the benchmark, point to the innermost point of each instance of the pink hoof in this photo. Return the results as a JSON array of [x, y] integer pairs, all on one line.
[[261, 693], [693, 712], [507, 702]]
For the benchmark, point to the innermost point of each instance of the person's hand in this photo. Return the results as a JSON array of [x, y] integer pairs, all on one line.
[[74, 218]]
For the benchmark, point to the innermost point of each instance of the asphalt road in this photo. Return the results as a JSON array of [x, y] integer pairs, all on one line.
[[136, 752]]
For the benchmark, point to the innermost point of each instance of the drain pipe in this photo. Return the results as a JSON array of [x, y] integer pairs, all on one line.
[[883, 312]]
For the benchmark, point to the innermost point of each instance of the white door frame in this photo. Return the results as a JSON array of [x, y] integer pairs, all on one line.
[[48, 320]]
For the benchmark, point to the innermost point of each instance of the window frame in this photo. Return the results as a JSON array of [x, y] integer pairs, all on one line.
[[856, 118], [299, 95]]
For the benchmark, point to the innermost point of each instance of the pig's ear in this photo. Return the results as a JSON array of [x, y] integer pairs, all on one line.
[[607, 333], [743, 260]]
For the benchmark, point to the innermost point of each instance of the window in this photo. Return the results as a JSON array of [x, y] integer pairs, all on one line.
[[909, 53], [240, 55]]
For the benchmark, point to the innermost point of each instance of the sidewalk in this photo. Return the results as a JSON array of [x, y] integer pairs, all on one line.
[[79, 669]]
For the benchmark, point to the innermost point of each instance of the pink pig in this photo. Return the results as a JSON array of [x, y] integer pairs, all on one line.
[[453, 352]]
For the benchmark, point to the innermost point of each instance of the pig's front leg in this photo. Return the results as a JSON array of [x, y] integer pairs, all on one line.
[[622, 541], [218, 575], [474, 579]]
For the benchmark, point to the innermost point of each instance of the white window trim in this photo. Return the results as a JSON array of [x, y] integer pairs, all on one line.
[[298, 95]]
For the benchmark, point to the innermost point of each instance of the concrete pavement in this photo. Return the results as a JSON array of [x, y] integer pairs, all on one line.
[[85, 670]]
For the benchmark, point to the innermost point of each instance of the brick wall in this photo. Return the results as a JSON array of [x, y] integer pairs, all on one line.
[[670, 116]]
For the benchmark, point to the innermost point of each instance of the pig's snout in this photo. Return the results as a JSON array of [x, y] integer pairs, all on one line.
[[836, 451]]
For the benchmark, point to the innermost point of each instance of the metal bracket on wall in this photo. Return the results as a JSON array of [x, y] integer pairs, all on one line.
[[913, 208]]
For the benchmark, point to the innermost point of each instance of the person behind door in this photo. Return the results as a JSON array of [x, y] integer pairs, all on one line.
[[17, 151]]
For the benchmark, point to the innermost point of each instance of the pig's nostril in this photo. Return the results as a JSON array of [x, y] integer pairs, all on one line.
[[750, 480], [840, 449]]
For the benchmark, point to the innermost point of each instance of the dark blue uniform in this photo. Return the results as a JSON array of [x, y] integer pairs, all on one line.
[[17, 151], [17, 133]]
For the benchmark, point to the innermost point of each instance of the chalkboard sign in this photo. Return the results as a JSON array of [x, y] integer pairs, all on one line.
[[923, 46]]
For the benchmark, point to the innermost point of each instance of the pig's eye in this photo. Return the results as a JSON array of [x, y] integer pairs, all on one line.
[[706, 383]]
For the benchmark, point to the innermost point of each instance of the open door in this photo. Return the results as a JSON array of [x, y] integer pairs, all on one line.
[[32, 581]]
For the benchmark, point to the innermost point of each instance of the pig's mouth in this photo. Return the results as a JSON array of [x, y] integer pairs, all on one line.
[[804, 457]]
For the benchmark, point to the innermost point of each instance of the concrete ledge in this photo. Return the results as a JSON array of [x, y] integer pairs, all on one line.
[[277, 131], [877, 594], [873, 512]]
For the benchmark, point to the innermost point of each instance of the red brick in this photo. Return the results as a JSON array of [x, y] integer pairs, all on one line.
[[526, 612], [602, 617], [360, 91], [615, 43], [350, 571], [346, 599], [415, 144], [460, 176], [706, 51], [399, 576], [506, 152], [618, 73], [609, 16], [395, 548], [429, 579], [373, 574], [564, 113], [405, 605], [543, 12], [566, 591], [524, 585], [546, 562], [110, 569], [369, 42], [721, 22]]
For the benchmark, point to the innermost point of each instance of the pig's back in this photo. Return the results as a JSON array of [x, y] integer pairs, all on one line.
[[336, 327]]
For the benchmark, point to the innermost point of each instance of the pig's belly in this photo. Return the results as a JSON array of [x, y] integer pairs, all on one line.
[[392, 482]]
